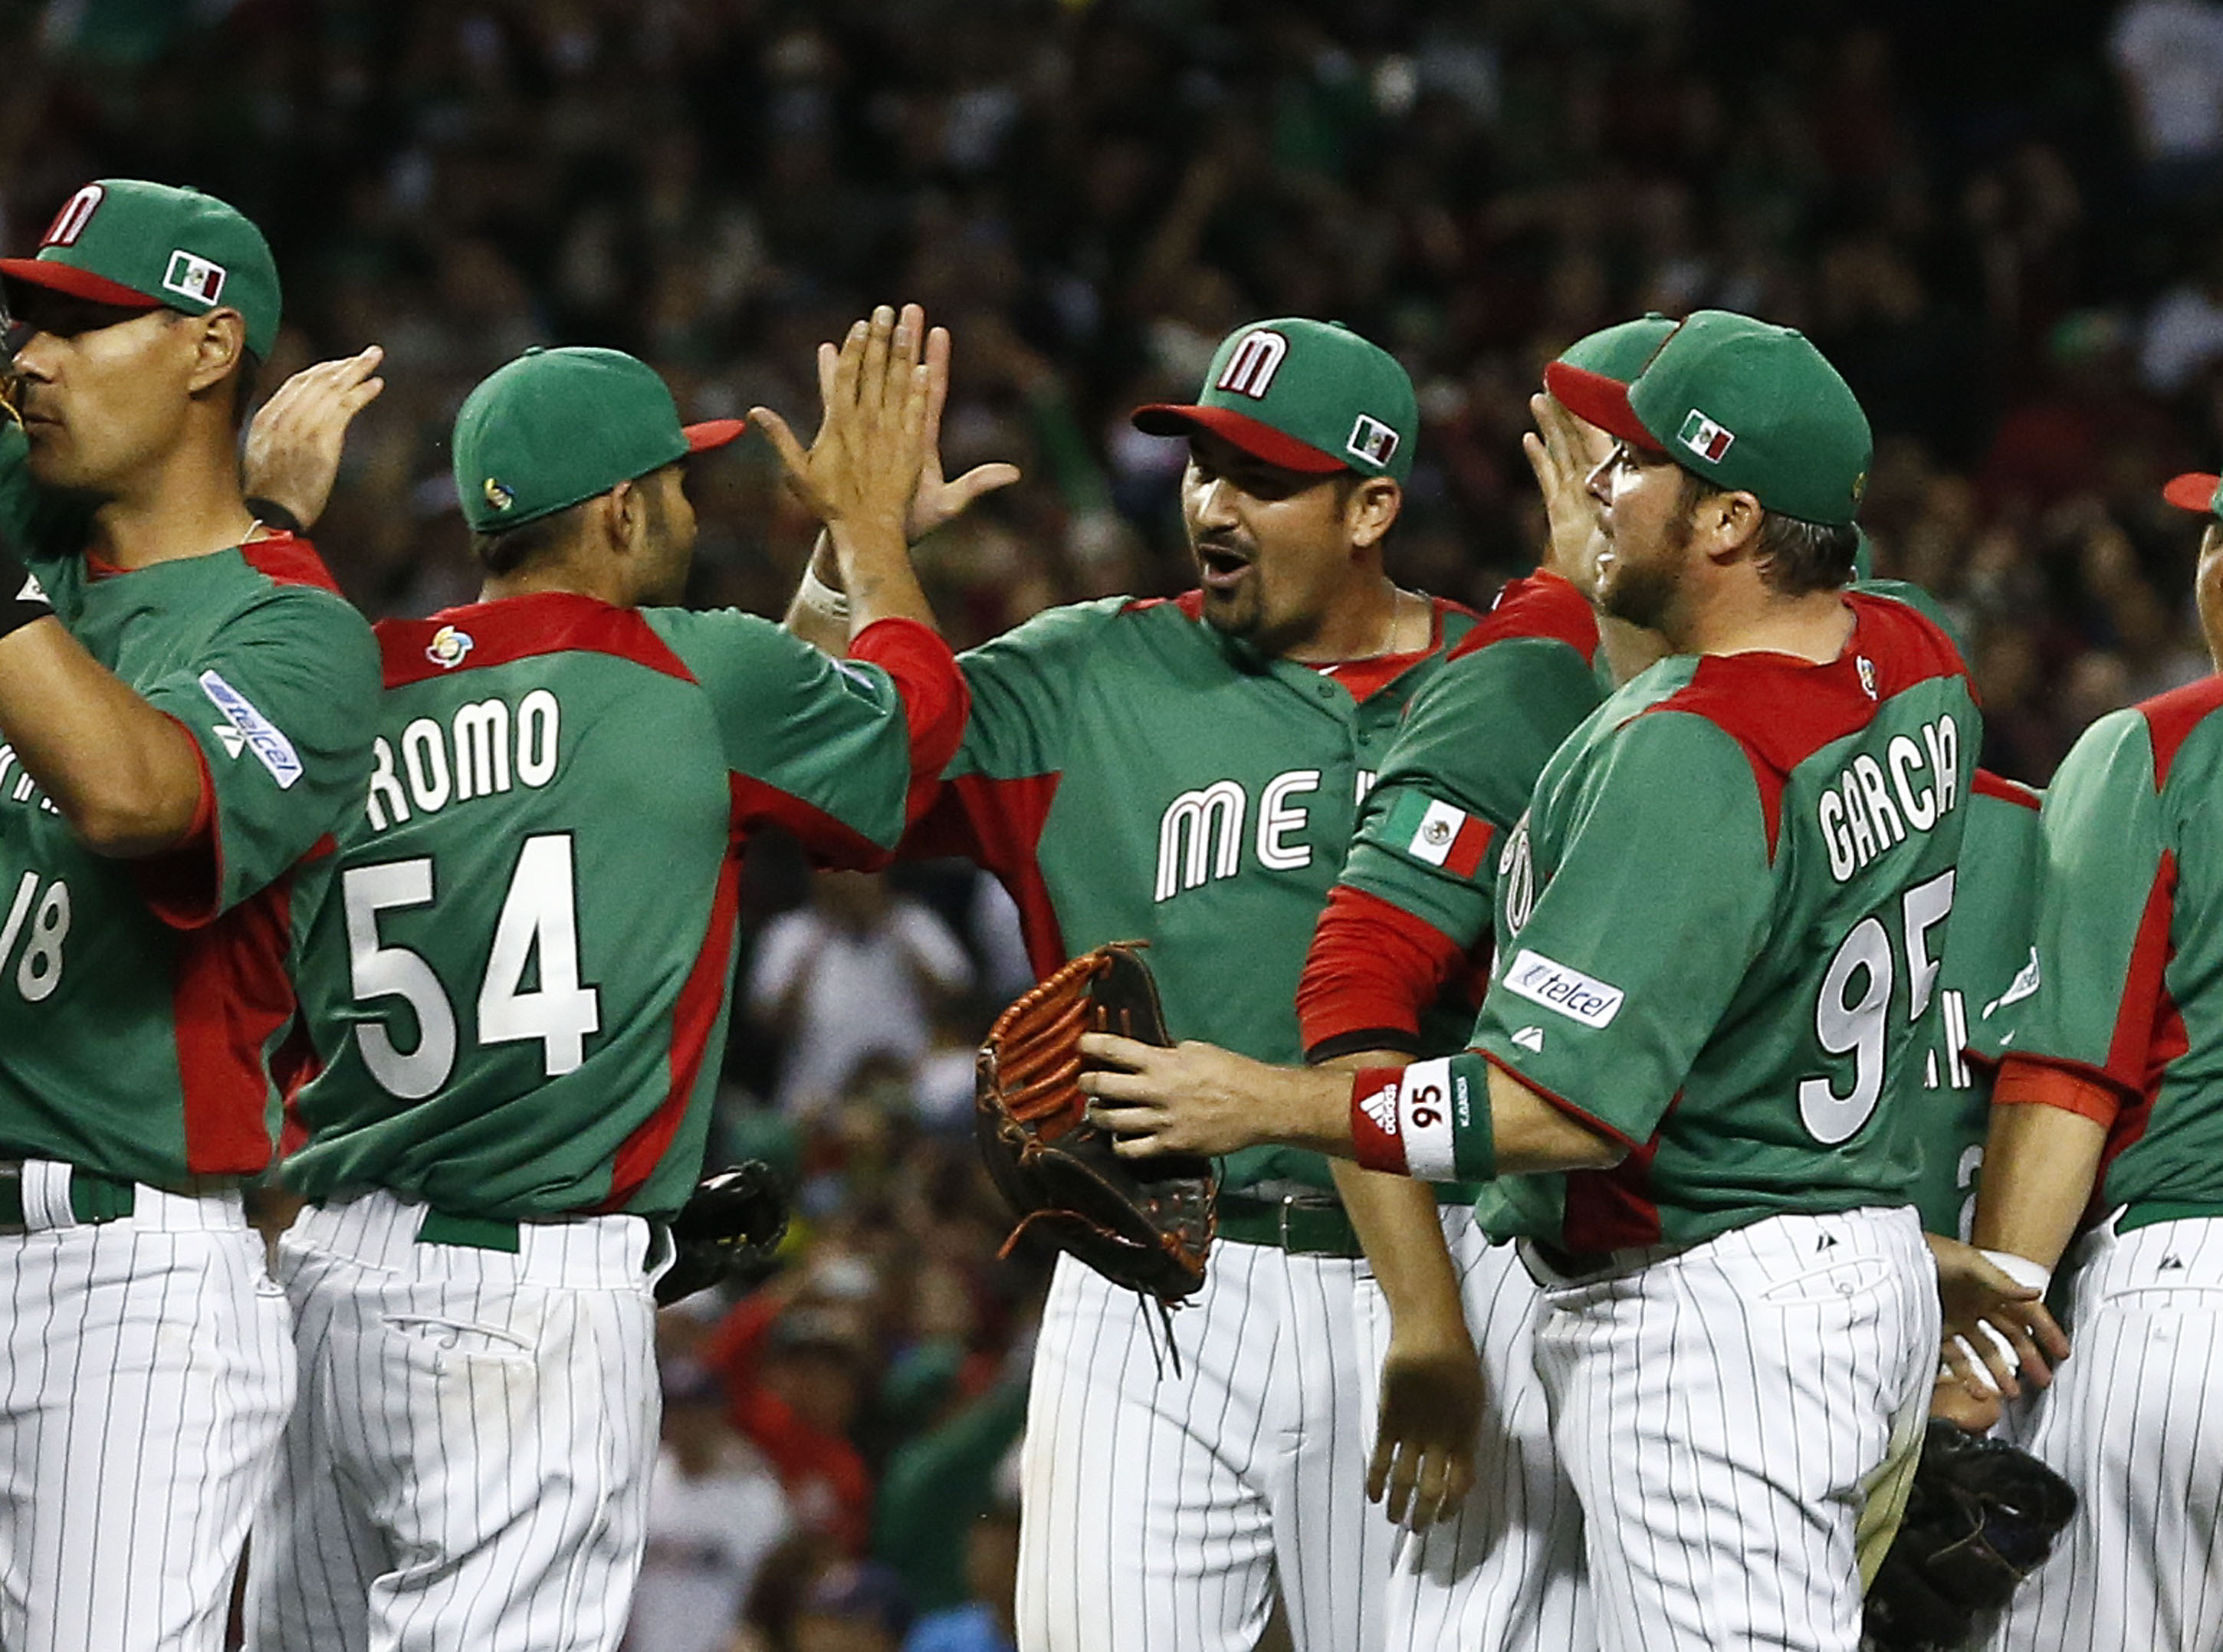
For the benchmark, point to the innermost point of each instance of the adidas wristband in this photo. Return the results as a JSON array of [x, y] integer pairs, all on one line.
[[26, 600], [1403, 1120]]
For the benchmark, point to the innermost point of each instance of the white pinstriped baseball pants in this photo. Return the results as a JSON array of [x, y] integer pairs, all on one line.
[[2134, 1422], [1721, 1412], [1158, 1511], [468, 1467], [148, 1373], [1505, 1573]]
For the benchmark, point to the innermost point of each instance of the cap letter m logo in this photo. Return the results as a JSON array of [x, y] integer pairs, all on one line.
[[1252, 363], [77, 213]]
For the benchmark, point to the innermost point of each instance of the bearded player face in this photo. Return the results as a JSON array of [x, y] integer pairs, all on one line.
[[1273, 547], [1647, 519]]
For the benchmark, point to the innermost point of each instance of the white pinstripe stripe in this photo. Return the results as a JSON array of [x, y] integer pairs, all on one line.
[[137, 1429], [473, 1452], [1505, 1573], [1159, 1512], [1716, 1411], [2130, 1420]]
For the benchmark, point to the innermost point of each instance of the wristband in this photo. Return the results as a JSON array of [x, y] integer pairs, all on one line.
[[2024, 1272], [272, 514], [821, 599], [1402, 1121], [23, 599]]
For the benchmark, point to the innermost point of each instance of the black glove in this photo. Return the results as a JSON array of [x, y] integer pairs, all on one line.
[[729, 1228], [1979, 1517]]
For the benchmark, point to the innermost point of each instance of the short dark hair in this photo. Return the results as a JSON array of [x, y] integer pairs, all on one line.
[[1796, 557], [511, 548]]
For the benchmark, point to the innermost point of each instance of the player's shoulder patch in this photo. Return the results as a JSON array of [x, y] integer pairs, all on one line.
[[482, 634]]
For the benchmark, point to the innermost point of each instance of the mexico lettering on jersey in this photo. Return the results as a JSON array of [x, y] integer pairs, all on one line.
[[141, 1003], [2128, 990], [1720, 931], [1131, 774], [1987, 973], [1409, 919], [516, 994]]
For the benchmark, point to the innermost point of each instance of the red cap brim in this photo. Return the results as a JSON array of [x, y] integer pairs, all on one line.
[[78, 283], [1259, 441], [2192, 491], [713, 432], [1599, 401]]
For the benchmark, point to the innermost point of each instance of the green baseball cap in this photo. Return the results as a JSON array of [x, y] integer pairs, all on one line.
[[556, 426], [2195, 490], [1311, 396], [1619, 351], [1745, 405], [143, 246]]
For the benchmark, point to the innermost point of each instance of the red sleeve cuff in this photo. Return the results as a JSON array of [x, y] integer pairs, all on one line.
[[2026, 1082], [182, 885], [935, 699], [1372, 970]]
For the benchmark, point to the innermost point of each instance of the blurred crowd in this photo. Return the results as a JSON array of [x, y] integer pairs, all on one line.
[[2010, 240]]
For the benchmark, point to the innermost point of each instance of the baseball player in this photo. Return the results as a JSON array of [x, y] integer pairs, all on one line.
[[185, 726], [1718, 927], [1503, 1567], [514, 994], [2104, 1134], [1189, 772]]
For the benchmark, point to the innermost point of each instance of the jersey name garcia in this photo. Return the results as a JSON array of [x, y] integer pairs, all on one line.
[[1131, 774], [1721, 927], [141, 1001], [2129, 987], [519, 992]]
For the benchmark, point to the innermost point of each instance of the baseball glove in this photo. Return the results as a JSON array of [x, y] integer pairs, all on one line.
[[1980, 1517], [729, 1228], [1148, 1227]]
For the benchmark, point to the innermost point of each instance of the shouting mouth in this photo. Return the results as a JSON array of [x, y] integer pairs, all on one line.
[[1221, 568]]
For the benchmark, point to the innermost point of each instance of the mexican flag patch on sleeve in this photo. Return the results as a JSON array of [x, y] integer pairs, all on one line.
[[1438, 834]]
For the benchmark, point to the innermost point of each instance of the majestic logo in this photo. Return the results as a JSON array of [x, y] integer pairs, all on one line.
[[77, 213], [1705, 438], [33, 591], [258, 734], [1372, 440], [2025, 983], [1557, 987], [1252, 363], [449, 647], [1530, 1039], [191, 276], [497, 495], [1866, 667]]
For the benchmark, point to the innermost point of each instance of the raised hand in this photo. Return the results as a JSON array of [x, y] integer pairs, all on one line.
[[1563, 450], [863, 465], [294, 440]]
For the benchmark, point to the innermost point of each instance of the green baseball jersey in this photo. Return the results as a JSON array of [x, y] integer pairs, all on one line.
[[1130, 773], [2129, 987], [517, 989], [1466, 759], [1720, 932], [1987, 972], [141, 1001]]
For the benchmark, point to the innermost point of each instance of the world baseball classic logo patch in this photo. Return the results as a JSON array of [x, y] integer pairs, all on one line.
[[1705, 438]]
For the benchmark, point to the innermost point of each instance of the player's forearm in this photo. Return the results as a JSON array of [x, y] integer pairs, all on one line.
[[2039, 1165], [819, 611], [1461, 1119], [874, 560], [1395, 1220], [125, 777]]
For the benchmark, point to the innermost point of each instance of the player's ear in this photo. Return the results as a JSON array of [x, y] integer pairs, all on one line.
[[1372, 510], [219, 341], [1729, 524]]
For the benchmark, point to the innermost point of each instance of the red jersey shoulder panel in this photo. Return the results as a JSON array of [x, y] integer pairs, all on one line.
[[2172, 717], [1988, 785], [289, 559], [520, 628], [1545, 604], [1782, 710]]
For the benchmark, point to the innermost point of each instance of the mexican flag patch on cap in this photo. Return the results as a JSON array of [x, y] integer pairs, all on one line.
[[1710, 441], [1439, 833]]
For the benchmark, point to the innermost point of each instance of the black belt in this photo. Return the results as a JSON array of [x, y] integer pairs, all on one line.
[[1297, 1226], [92, 1197]]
